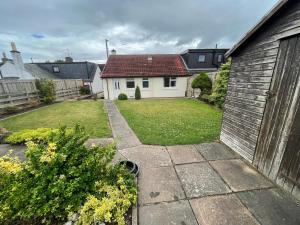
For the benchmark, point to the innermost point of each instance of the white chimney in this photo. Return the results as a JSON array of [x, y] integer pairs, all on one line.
[[4, 58], [113, 52], [17, 58]]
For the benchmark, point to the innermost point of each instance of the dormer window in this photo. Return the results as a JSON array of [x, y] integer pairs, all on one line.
[[201, 58], [55, 69]]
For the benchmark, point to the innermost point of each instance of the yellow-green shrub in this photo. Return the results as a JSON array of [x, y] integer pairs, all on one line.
[[110, 203], [57, 177], [37, 135]]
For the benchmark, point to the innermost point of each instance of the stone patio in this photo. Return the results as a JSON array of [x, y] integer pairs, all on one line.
[[201, 184]]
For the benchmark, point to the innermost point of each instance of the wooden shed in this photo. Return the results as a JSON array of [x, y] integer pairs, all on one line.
[[262, 114]]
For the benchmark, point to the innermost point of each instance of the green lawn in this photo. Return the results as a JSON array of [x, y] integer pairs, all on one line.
[[90, 114], [172, 121]]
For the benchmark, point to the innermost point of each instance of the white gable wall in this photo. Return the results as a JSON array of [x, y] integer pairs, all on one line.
[[156, 88], [97, 85]]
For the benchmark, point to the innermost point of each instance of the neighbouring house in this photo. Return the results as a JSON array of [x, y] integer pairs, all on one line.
[[87, 71], [262, 109], [202, 60], [13, 68], [157, 75]]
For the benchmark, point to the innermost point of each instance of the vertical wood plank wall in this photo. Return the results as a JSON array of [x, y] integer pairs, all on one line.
[[251, 74]]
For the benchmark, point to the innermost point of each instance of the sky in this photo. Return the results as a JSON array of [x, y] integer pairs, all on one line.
[[53, 29]]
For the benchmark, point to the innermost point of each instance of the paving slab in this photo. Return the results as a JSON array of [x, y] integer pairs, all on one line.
[[123, 135], [239, 176], [171, 213], [159, 184], [222, 210], [272, 207], [199, 179], [215, 151], [181, 154], [18, 150], [148, 156]]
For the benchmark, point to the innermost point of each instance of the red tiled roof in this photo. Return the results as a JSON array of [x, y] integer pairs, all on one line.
[[157, 65]]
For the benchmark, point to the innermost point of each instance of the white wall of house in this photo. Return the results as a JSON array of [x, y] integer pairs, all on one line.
[[97, 84], [114, 86]]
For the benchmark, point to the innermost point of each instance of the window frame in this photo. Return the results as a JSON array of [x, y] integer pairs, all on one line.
[[171, 80], [54, 69], [204, 59], [130, 80], [220, 58], [145, 79]]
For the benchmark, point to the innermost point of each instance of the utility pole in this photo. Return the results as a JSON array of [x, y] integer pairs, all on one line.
[[106, 40]]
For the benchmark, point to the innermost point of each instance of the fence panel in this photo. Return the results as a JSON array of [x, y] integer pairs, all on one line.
[[23, 93]]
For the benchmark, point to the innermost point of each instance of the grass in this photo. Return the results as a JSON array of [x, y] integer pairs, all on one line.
[[172, 121], [90, 114]]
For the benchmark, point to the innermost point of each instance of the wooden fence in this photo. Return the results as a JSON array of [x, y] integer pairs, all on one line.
[[23, 93]]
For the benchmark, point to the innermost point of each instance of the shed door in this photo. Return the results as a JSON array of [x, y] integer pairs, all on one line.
[[279, 116]]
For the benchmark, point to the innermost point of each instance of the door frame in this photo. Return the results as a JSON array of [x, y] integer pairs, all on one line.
[[116, 89]]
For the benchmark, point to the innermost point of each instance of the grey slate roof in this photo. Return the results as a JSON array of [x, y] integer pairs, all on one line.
[[74, 70], [38, 72]]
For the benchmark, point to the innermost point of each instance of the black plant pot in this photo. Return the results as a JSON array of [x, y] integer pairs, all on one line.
[[131, 166]]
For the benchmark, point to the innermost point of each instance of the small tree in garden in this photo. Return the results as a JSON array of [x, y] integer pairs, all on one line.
[[137, 93], [203, 82], [46, 90], [220, 85]]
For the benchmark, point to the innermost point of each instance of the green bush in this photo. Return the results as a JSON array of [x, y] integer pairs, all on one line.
[[137, 93], [46, 90], [122, 96], [85, 90], [203, 82], [37, 135], [58, 177], [220, 85]]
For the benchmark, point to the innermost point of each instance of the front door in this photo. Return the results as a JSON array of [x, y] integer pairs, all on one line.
[[116, 87], [277, 148]]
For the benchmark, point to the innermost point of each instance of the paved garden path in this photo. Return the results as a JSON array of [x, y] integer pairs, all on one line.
[[122, 133], [205, 184]]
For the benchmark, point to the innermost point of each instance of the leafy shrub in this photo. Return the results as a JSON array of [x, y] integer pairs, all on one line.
[[85, 90], [110, 201], [203, 82], [122, 96], [46, 90], [11, 109], [137, 93], [220, 85], [59, 176], [37, 135]]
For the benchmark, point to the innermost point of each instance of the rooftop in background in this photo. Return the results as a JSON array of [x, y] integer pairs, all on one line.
[[70, 70], [201, 60], [150, 65]]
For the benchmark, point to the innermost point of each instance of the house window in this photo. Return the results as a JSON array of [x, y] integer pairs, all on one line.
[[220, 58], [170, 82], [55, 69], [145, 83], [201, 58], [130, 83]]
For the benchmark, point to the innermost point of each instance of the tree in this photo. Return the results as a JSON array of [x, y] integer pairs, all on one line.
[[137, 93], [203, 82], [220, 86]]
